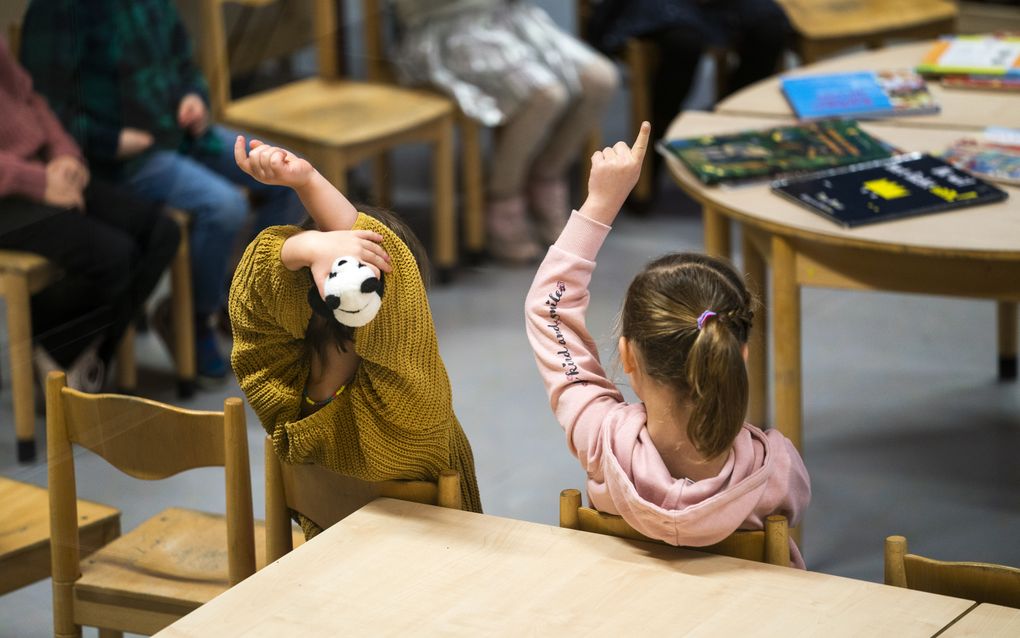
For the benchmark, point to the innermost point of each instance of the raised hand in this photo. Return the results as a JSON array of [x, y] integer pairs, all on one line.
[[318, 250], [272, 165], [614, 172]]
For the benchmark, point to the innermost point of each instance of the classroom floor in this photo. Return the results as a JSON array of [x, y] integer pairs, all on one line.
[[907, 430]]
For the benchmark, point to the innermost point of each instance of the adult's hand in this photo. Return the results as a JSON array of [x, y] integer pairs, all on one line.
[[132, 142]]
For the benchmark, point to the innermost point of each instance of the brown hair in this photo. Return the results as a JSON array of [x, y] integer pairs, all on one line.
[[324, 332], [705, 366]]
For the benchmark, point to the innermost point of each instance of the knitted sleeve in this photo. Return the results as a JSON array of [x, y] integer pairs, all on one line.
[[395, 419]]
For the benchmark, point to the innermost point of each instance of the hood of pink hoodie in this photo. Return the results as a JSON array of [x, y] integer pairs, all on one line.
[[635, 483]]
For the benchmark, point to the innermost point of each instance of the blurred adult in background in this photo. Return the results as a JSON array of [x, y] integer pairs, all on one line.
[[757, 31], [120, 75], [111, 246], [507, 64]]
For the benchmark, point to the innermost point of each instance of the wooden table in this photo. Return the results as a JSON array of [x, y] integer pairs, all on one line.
[[971, 252], [987, 621], [961, 108], [396, 568]]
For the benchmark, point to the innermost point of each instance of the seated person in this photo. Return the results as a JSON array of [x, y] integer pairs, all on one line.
[[372, 402], [111, 246], [681, 466], [120, 76]]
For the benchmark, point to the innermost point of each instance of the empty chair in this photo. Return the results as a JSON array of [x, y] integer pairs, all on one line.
[[176, 560], [983, 582]]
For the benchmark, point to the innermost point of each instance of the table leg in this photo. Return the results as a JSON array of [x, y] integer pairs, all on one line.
[[717, 232], [1007, 340], [786, 340], [757, 360]]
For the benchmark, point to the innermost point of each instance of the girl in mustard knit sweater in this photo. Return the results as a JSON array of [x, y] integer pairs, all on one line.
[[374, 404]]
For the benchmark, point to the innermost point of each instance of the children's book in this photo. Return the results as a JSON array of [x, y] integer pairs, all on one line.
[[763, 153], [982, 82], [973, 55], [994, 162], [862, 94], [883, 190]]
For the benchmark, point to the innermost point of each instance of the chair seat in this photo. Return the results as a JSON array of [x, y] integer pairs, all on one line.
[[39, 270], [176, 560], [822, 20], [337, 112], [25, 532]]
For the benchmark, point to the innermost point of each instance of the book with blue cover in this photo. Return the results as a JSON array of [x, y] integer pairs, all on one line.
[[862, 94], [883, 190]]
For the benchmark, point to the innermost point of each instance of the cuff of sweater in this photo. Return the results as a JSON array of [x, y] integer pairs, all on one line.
[[583, 236], [30, 181]]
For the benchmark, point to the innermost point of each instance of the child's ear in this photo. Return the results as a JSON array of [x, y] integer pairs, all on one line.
[[627, 357]]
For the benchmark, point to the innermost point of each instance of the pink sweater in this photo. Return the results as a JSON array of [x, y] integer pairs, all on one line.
[[626, 475], [30, 134]]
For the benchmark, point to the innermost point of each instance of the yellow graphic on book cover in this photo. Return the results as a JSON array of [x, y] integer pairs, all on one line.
[[886, 188]]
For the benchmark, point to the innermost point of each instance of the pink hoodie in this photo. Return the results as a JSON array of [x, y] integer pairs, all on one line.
[[763, 475]]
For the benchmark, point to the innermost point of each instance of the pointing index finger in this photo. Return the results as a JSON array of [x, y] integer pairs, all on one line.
[[641, 143]]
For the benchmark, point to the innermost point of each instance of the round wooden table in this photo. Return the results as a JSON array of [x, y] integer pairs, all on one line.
[[970, 252], [961, 108]]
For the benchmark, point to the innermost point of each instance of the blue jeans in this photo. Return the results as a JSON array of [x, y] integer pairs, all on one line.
[[208, 188]]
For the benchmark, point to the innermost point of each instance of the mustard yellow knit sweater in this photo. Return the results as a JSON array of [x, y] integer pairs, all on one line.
[[395, 420]]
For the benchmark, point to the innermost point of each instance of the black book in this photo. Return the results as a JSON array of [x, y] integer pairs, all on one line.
[[882, 190]]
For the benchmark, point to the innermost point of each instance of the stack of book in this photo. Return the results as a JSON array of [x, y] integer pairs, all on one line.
[[990, 62]]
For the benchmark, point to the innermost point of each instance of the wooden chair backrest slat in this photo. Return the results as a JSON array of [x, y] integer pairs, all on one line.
[[770, 545], [983, 582], [142, 438]]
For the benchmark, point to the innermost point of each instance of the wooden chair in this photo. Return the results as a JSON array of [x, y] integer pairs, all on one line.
[[825, 27], [338, 123], [25, 532], [327, 497], [771, 545], [171, 563], [983, 582]]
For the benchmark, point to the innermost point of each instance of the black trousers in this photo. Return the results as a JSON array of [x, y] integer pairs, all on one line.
[[112, 254]]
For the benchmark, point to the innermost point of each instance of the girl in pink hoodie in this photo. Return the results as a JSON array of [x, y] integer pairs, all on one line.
[[682, 466]]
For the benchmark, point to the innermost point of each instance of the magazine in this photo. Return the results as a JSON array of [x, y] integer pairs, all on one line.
[[864, 94], [973, 55], [884, 190]]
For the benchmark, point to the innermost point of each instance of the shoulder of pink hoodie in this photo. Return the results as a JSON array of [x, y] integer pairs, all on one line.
[[626, 475]]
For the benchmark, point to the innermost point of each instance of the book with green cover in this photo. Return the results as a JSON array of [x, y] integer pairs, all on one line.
[[767, 152]]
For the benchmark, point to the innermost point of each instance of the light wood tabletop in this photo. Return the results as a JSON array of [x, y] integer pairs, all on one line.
[[968, 252], [960, 108], [400, 568], [987, 621]]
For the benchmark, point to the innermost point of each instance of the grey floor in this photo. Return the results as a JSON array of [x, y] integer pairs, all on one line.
[[907, 429]]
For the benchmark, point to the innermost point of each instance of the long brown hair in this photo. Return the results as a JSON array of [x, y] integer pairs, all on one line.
[[705, 365], [325, 332]]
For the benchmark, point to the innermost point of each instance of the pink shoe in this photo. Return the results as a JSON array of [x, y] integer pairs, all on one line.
[[510, 237], [550, 204]]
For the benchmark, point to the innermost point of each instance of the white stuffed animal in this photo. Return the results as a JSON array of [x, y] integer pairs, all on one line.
[[353, 292]]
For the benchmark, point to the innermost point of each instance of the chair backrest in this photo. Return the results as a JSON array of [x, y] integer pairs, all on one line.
[[147, 440], [326, 497], [214, 52], [771, 545], [983, 582]]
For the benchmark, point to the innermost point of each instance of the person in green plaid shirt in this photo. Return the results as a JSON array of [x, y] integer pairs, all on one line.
[[120, 75]]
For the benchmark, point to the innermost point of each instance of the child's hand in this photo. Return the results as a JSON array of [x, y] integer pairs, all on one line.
[[614, 172], [272, 165], [318, 250]]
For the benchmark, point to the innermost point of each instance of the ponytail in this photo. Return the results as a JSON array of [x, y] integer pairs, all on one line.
[[716, 380]]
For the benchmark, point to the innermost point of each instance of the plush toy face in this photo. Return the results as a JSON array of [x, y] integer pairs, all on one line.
[[353, 292]]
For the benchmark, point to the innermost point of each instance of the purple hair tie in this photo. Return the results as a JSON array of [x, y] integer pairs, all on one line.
[[704, 317]]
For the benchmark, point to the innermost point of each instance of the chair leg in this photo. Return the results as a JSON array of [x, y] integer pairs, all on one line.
[[110, 633], [127, 371], [640, 64], [183, 311], [473, 188], [19, 335], [381, 191], [1007, 320], [444, 226]]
